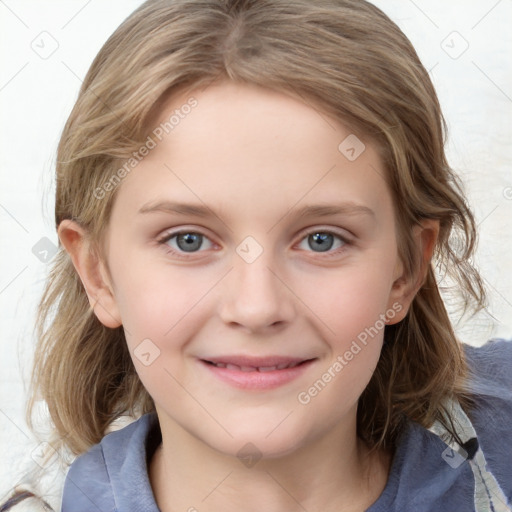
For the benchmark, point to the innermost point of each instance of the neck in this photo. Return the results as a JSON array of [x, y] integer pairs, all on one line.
[[331, 474]]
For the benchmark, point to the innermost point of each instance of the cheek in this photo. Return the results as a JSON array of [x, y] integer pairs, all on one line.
[[347, 301], [159, 302], [351, 308]]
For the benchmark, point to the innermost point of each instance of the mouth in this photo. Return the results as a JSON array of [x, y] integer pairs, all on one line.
[[231, 366], [257, 373]]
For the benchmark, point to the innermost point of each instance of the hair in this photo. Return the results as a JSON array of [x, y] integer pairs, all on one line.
[[353, 63]]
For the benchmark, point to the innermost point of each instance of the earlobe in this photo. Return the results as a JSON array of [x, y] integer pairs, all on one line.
[[91, 269]]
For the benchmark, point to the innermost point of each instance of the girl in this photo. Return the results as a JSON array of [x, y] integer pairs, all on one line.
[[251, 197]]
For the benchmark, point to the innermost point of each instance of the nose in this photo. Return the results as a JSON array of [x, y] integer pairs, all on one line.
[[255, 298]]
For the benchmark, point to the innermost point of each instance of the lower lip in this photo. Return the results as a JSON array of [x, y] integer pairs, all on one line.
[[258, 380]]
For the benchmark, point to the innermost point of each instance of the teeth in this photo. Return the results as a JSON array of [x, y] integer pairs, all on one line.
[[267, 368], [230, 366]]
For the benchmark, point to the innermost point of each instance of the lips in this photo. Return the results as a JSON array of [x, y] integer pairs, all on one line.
[[252, 364], [230, 366], [257, 373]]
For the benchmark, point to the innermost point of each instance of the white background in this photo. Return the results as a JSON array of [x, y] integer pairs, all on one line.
[[37, 94]]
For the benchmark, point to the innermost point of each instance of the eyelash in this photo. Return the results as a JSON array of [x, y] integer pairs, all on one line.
[[181, 254]]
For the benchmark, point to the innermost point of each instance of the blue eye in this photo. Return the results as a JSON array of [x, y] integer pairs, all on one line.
[[184, 241], [323, 241]]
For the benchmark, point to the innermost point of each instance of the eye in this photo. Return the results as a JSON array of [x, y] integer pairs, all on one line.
[[321, 241], [324, 241], [184, 241]]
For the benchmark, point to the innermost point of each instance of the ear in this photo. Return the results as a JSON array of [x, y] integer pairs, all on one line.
[[92, 272], [404, 289]]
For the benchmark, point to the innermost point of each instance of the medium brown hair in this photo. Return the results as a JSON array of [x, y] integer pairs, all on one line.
[[351, 62]]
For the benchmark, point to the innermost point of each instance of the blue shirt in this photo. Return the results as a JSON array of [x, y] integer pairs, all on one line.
[[113, 475]]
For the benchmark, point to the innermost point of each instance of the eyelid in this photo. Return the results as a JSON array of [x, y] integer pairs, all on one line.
[[331, 253], [170, 234], [306, 231], [343, 234]]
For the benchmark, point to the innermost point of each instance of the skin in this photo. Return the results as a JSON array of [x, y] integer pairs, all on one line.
[[253, 156]]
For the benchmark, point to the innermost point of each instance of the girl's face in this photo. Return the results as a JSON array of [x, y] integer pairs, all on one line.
[[258, 234]]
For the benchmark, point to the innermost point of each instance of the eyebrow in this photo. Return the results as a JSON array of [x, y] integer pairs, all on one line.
[[314, 210]]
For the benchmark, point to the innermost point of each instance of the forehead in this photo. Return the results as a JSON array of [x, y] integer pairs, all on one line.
[[256, 149]]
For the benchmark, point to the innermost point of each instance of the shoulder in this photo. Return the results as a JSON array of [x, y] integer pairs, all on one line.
[[92, 478], [490, 380], [87, 483], [490, 374], [422, 476], [491, 361]]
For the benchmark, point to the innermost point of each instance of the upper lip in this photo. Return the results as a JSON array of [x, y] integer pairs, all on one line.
[[256, 362]]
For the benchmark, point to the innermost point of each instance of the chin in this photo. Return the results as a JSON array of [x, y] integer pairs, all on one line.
[[255, 444]]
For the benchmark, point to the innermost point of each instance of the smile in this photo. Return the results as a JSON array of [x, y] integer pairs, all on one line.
[[230, 366], [252, 373]]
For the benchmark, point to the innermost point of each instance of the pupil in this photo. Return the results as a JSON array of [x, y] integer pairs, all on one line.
[[324, 241], [191, 241]]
